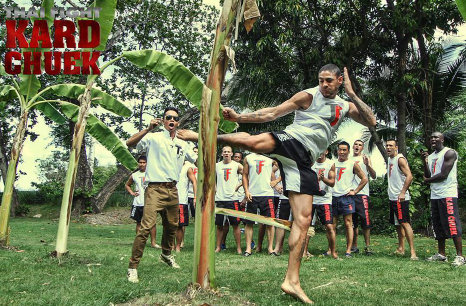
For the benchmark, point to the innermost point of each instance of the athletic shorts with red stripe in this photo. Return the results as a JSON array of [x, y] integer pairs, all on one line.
[[136, 213], [192, 209], [283, 210], [361, 203], [324, 213], [343, 205], [445, 218], [263, 204], [400, 211], [222, 220], [295, 162], [184, 215]]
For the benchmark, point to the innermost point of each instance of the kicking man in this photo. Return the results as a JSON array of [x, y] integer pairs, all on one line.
[[318, 114]]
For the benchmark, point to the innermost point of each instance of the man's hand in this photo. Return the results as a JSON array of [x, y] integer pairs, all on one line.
[[351, 193], [135, 194], [230, 114], [348, 88], [401, 197], [365, 159], [424, 156], [154, 123], [321, 176], [187, 135], [248, 196]]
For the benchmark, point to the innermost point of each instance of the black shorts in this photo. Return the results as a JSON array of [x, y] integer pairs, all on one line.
[[184, 215], [399, 212], [361, 203], [222, 220], [324, 213], [276, 200], [343, 205], [445, 218], [192, 209], [263, 204], [136, 213], [295, 164], [283, 209]]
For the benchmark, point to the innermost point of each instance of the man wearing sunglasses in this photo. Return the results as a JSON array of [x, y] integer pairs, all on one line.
[[318, 113], [165, 157]]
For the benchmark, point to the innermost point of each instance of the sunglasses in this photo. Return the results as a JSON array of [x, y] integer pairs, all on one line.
[[176, 118]]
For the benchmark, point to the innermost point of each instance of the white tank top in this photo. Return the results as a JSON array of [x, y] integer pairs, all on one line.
[[315, 126], [325, 168], [190, 189], [449, 187], [275, 192], [396, 178], [357, 180], [260, 173], [183, 184], [344, 177], [138, 179], [227, 180]]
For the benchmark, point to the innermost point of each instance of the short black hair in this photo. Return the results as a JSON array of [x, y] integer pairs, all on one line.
[[239, 152], [344, 143], [143, 157], [393, 139], [331, 68], [171, 108]]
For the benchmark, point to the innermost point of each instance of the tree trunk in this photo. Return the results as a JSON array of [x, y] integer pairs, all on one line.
[[10, 179], [99, 201], [4, 170], [83, 184]]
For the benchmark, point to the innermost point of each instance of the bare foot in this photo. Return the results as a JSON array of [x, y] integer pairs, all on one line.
[[217, 250], [335, 255], [296, 292], [187, 135], [414, 256], [399, 252], [177, 249]]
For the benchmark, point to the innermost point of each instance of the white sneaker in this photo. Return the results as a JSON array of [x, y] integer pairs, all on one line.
[[437, 257], [459, 261], [133, 275], [169, 260]]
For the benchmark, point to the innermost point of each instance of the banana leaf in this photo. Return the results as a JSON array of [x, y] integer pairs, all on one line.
[[178, 75], [29, 85], [51, 112], [96, 129], [7, 93], [105, 20], [462, 7], [285, 224], [98, 97]]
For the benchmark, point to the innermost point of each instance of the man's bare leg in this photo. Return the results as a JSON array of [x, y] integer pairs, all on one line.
[[226, 229], [410, 237], [270, 235], [331, 237], [237, 235], [355, 237], [367, 236], [153, 232], [306, 252], [349, 232], [441, 247], [401, 240], [458, 245], [248, 231], [138, 226], [301, 206], [219, 238], [179, 238], [260, 238], [279, 238]]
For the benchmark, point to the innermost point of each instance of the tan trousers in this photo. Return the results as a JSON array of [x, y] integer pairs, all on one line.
[[159, 198]]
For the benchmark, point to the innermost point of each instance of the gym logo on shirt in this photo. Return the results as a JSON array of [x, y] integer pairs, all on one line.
[[226, 174], [336, 114], [434, 164], [195, 171], [340, 171], [259, 165]]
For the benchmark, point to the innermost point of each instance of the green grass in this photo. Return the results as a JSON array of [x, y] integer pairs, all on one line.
[[94, 273]]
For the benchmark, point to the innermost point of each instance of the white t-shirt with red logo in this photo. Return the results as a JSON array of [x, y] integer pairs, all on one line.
[[259, 176], [190, 189], [360, 161], [138, 179], [447, 188], [318, 169], [227, 180], [344, 177], [396, 178]]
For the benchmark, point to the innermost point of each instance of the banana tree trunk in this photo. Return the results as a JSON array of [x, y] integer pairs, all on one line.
[[204, 243], [67, 200], [10, 179]]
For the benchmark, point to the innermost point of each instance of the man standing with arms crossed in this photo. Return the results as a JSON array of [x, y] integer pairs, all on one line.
[[361, 199], [344, 192], [399, 180], [318, 114], [165, 157], [440, 172]]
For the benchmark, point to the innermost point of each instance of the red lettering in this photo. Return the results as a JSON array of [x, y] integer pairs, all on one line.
[[84, 27], [340, 172], [56, 67], [70, 64], [14, 34], [62, 34], [10, 68], [226, 174], [90, 62], [36, 61], [40, 32]]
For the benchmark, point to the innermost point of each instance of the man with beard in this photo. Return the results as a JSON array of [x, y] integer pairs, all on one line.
[[440, 172]]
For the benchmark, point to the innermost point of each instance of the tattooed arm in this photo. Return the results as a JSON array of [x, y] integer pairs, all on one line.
[[358, 110], [301, 100]]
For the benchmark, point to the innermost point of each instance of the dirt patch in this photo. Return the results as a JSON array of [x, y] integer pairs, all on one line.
[[111, 217], [192, 296]]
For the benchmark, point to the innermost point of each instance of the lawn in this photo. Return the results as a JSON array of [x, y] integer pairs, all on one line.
[[94, 272]]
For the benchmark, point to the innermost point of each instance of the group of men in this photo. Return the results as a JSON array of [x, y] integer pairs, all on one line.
[[298, 151]]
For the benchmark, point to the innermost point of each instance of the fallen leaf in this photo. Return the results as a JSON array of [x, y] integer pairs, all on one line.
[[45, 284]]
